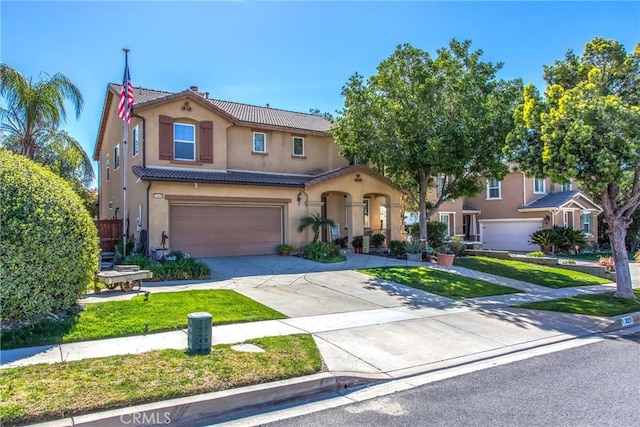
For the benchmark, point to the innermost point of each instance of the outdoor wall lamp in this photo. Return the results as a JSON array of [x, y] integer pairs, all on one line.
[[299, 198], [547, 219]]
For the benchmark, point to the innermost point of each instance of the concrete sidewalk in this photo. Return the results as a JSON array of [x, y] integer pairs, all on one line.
[[366, 329]]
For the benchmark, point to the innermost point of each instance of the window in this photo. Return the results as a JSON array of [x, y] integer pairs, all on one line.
[[365, 210], [116, 157], [565, 218], [298, 146], [538, 186], [440, 182], [566, 186], [586, 221], [493, 188], [444, 218], [135, 145], [184, 141], [106, 163], [259, 142]]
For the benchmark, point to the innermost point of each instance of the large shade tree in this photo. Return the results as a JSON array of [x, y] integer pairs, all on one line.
[[587, 127], [420, 118]]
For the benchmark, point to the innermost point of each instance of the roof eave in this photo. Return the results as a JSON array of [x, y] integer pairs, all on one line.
[[103, 121]]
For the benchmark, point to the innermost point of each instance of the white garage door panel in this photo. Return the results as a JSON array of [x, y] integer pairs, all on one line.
[[205, 231], [509, 236]]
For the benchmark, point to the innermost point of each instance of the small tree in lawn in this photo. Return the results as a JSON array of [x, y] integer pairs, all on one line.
[[587, 127], [420, 118], [316, 222]]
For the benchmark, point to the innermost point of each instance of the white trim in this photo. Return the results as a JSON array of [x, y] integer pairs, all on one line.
[[510, 220], [489, 190], [135, 142], [366, 212], [565, 218], [184, 141], [293, 146], [524, 189], [107, 166], [253, 142], [544, 186]]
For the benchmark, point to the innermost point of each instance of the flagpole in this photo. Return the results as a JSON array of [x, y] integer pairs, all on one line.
[[124, 151]]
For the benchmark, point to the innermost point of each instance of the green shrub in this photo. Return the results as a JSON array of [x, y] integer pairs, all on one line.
[[546, 239], [568, 262], [182, 267], [536, 254], [320, 250], [436, 232], [48, 243], [570, 238], [377, 240], [457, 245], [396, 248], [356, 242]]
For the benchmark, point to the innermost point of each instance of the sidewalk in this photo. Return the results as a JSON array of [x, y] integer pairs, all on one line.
[[366, 329]]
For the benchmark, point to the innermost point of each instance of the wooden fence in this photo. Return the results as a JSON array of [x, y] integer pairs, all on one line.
[[110, 231]]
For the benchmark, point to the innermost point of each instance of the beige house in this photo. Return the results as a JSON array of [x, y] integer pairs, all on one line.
[[504, 216], [222, 178]]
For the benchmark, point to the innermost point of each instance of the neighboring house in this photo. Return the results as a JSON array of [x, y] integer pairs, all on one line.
[[504, 216], [222, 178]]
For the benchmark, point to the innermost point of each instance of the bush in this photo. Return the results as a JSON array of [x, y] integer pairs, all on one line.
[[457, 246], [570, 238], [175, 266], [357, 242], [546, 239], [536, 254], [320, 250], [377, 240], [48, 243], [436, 232], [568, 262], [396, 248], [607, 263]]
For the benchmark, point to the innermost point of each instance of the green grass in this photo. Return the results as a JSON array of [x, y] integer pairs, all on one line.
[[439, 282], [551, 277], [604, 304], [45, 392], [161, 312], [337, 258], [593, 256]]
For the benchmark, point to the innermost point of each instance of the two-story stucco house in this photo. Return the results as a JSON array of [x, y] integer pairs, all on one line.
[[504, 216], [223, 178]]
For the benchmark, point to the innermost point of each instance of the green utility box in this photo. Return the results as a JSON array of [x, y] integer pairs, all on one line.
[[199, 332]]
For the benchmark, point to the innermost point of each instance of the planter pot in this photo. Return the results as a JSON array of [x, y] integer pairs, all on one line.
[[445, 259], [284, 253], [414, 257], [357, 250]]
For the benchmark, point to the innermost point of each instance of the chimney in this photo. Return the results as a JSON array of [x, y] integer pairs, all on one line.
[[194, 88], [267, 105]]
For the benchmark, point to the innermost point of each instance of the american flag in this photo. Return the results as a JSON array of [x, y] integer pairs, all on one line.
[[126, 95]]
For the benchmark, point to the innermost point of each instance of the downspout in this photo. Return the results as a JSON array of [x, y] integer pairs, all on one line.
[[524, 189], [147, 218], [144, 139]]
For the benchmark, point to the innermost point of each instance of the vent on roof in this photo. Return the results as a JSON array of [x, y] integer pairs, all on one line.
[[194, 88]]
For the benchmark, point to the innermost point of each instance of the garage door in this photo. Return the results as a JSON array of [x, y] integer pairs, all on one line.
[[508, 235], [206, 231]]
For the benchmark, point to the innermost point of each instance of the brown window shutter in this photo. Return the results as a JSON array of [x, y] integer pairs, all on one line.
[[165, 138], [206, 142]]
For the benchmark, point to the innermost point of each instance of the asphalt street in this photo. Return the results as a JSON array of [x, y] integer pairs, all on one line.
[[592, 385]]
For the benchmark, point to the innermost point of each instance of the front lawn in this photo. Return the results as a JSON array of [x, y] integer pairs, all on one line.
[[46, 392], [604, 304], [551, 277], [162, 311], [437, 282], [593, 256]]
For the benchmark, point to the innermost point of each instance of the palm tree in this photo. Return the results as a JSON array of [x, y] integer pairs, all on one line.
[[316, 222], [33, 110]]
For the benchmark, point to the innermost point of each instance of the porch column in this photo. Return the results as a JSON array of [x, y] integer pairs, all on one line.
[[394, 221], [355, 219]]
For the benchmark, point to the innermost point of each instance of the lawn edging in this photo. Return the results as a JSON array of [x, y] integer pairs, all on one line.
[[219, 405], [594, 270], [622, 321]]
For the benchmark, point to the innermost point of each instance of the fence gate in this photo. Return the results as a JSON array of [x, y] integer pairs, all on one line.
[[110, 231]]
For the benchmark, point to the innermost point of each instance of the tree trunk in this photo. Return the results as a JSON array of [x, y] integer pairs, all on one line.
[[617, 234]]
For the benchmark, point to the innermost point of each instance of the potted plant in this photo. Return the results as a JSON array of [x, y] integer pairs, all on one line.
[[445, 255], [377, 240], [414, 250], [356, 242], [285, 249]]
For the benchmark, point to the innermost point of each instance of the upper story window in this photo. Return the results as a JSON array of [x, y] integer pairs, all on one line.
[[440, 183], [586, 220], [106, 164], [116, 157], [298, 146], [365, 211], [135, 138], [184, 141], [493, 188], [259, 142], [566, 186], [539, 186]]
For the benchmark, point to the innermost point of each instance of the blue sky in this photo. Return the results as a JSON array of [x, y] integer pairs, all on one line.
[[292, 55]]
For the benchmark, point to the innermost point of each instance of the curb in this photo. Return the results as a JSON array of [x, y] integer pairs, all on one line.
[[622, 321], [216, 406]]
